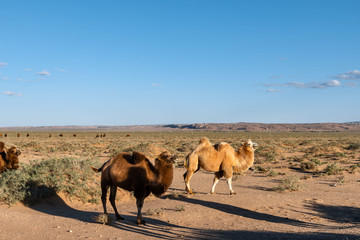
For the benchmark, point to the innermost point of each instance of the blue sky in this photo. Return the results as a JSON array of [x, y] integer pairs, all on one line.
[[191, 61]]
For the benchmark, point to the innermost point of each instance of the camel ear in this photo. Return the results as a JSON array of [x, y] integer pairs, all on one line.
[[164, 156], [138, 157]]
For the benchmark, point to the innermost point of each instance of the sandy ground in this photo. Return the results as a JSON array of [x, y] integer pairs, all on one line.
[[321, 210]]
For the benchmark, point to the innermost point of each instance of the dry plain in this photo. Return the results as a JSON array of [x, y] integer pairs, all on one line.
[[302, 186]]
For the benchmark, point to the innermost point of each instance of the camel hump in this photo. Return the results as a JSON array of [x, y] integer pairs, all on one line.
[[138, 157], [220, 146], [204, 140]]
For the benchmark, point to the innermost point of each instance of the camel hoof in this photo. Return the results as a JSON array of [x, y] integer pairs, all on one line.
[[232, 193], [119, 217], [189, 191], [140, 222], [212, 192]]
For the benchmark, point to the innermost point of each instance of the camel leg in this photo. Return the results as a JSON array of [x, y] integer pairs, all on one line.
[[112, 201], [228, 175], [217, 177], [140, 193], [104, 189], [229, 180], [139, 204], [187, 177]]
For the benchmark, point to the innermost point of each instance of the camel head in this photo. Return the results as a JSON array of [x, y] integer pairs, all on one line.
[[13, 153], [249, 145], [166, 158]]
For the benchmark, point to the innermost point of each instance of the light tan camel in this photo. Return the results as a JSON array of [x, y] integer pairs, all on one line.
[[221, 159], [134, 172], [9, 158]]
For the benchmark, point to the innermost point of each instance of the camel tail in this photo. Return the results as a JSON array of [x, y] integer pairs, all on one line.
[[99, 169], [96, 169]]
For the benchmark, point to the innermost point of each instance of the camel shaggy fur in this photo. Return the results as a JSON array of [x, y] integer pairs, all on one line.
[[219, 158], [134, 172], [9, 158]]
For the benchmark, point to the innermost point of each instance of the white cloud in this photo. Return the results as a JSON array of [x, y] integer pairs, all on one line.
[[295, 85], [331, 83], [322, 85], [352, 84], [5, 78], [156, 85], [23, 80], [12, 94], [43, 73], [3, 64], [352, 75], [27, 69], [271, 90]]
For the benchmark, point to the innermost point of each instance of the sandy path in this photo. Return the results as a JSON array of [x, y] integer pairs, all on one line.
[[319, 211]]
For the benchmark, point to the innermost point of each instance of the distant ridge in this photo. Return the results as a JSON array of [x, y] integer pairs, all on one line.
[[238, 127]]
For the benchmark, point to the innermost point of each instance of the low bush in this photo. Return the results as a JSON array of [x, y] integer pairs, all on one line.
[[332, 169], [289, 184], [41, 179], [308, 166]]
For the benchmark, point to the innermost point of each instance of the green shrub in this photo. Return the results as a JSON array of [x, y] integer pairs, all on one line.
[[41, 179], [290, 184], [353, 146], [267, 153], [332, 169]]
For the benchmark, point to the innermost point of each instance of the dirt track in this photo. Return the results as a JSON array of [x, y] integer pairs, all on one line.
[[319, 211]]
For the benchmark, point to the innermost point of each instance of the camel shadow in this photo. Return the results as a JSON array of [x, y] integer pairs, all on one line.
[[339, 214], [156, 228], [244, 212], [56, 206]]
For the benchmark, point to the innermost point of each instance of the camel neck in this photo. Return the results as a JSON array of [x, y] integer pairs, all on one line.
[[164, 174]]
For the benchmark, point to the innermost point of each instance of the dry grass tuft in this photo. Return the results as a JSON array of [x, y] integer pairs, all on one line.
[[308, 166], [103, 219]]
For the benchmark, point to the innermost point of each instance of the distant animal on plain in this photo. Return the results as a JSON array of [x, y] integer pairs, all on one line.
[[134, 172], [61, 135], [9, 157], [74, 135], [97, 135], [27, 135], [18, 135], [219, 158]]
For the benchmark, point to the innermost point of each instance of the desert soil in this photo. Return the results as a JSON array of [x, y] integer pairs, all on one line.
[[323, 209]]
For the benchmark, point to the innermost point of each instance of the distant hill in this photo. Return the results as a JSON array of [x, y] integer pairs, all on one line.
[[271, 127], [239, 127]]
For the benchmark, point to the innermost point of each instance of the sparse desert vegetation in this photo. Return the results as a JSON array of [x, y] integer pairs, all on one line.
[[312, 154], [288, 166]]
